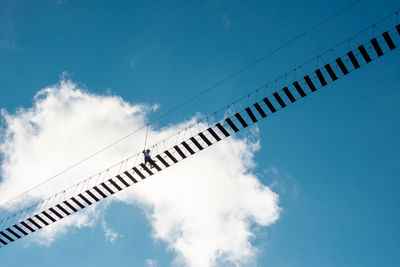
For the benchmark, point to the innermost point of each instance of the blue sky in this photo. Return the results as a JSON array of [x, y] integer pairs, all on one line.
[[335, 152]]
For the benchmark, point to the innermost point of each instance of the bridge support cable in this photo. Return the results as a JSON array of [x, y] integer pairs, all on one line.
[[298, 89]]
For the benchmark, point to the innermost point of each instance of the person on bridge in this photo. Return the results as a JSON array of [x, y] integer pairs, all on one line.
[[147, 158]]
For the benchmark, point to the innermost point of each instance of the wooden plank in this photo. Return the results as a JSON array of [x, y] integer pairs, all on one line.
[[279, 99], [188, 148], [20, 230], [62, 209], [70, 206], [377, 48], [92, 196], [342, 66], [269, 105], [330, 70], [56, 213], [196, 143], [77, 202], [321, 77], [388, 40], [24, 224], [232, 125], [13, 233], [107, 188], [100, 192], [115, 184], [353, 60], [289, 94], [48, 216], [34, 223], [122, 181], [251, 115], [162, 160], [260, 110], [170, 156], [180, 152], [146, 169], [299, 89], [309, 83], [364, 53], [85, 199], [222, 129]]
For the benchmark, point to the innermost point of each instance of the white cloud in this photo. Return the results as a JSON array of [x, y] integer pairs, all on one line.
[[203, 208], [151, 263], [109, 233], [46, 237]]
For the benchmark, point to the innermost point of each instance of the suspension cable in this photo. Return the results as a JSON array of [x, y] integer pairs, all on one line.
[[227, 78]]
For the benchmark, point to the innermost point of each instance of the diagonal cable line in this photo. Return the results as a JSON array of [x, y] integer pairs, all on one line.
[[227, 78]]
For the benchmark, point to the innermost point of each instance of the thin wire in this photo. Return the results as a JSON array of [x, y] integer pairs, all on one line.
[[243, 69], [145, 139]]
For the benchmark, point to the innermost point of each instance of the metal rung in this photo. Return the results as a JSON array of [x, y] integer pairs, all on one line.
[[251, 115], [388, 40], [232, 125], [56, 213], [77, 203], [13, 233], [34, 223], [100, 192], [196, 143], [122, 181], [48, 216], [107, 188], [299, 89], [377, 48], [188, 148], [146, 169], [260, 110], [85, 199], [321, 77], [24, 224], [331, 72], [222, 129], [214, 134], [92, 196], [289, 94], [115, 184], [162, 161], [241, 120], [353, 60], [62, 209], [309, 83], [20, 229], [364, 53], [205, 139], [279, 99], [269, 105], [70, 206], [170, 156]]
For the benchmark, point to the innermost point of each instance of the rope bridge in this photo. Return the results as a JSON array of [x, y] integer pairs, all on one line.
[[60, 206]]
